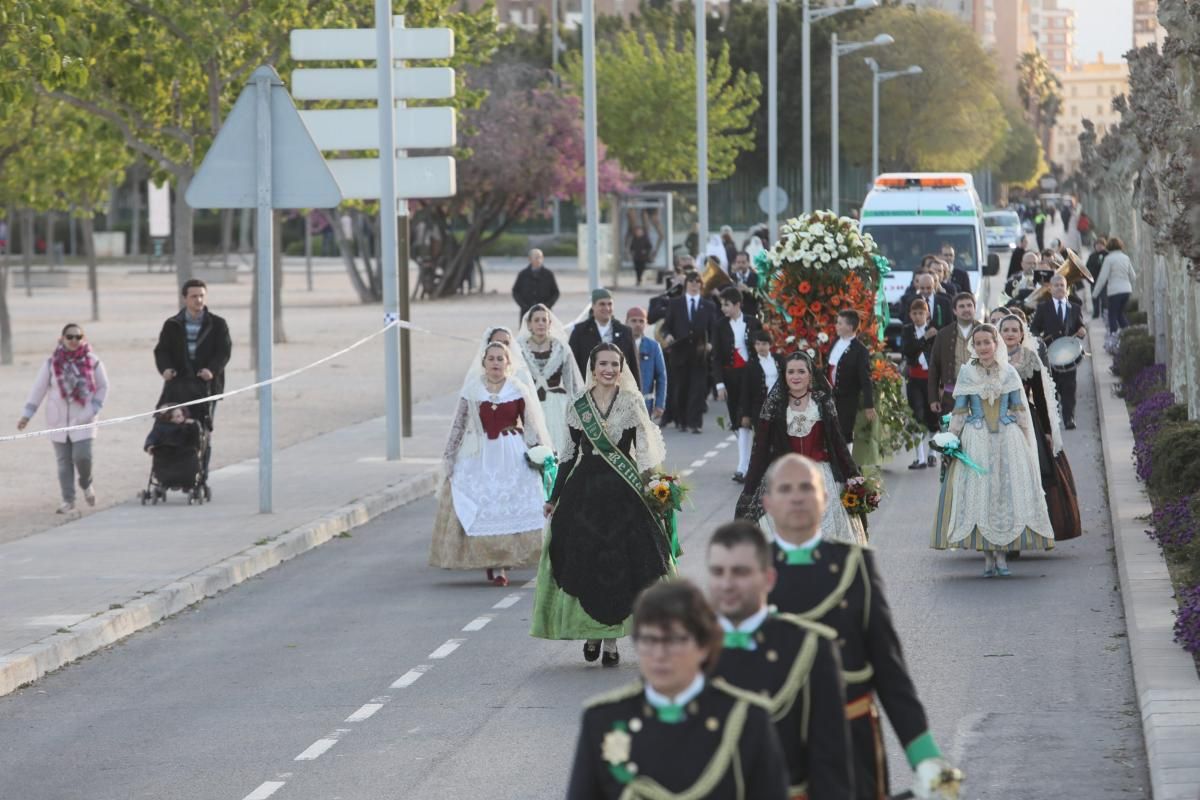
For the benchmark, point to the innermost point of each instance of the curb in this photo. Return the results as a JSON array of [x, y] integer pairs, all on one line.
[[31, 662], [1164, 675]]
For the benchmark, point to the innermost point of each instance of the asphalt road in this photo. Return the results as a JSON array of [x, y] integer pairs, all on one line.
[[356, 672]]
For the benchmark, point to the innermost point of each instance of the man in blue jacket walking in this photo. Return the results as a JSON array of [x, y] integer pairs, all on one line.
[[651, 362]]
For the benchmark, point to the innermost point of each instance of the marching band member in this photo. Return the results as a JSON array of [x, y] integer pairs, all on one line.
[[677, 733], [793, 663], [731, 354], [838, 584]]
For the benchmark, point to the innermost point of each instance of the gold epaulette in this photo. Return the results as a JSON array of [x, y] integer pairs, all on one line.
[[818, 628], [616, 695], [740, 694]]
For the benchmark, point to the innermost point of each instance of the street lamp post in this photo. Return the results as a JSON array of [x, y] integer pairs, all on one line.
[[807, 18], [701, 120], [590, 156], [877, 78], [836, 51]]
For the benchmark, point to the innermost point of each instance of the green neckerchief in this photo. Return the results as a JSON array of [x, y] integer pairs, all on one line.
[[739, 640], [801, 555], [672, 714], [589, 417]]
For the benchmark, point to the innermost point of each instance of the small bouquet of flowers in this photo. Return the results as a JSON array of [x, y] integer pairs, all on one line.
[[542, 458], [665, 492], [949, 445], [862, 495], [664, 496]]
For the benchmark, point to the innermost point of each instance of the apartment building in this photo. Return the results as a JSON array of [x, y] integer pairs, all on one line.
[[1053, 29], [1088, 91], [1146, 29]]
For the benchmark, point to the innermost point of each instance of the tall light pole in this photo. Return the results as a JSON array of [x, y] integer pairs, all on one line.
[[590, 157], [772, 120], [554, 75], [836, 51], [807, 18], [877, 78], [702, 120]]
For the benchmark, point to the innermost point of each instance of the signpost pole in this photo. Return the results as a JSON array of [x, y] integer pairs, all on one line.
[[590, 154], [264, 244], [387, 224]]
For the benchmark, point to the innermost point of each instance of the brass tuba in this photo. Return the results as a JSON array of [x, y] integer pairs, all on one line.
[[1073, 269], [714, 278]]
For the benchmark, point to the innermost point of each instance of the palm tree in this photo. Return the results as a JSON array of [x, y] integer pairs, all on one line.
[[1040, 92]]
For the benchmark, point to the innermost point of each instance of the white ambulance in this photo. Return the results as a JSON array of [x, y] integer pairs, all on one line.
[[912, 214]]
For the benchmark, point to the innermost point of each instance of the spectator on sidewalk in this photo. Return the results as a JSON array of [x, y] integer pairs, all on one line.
[[535, 284], [193, 348], [1094, 264], [1116, 280], [74, 385], [640, 251]]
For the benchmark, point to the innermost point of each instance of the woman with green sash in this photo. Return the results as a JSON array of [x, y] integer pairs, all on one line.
[[604, 544]]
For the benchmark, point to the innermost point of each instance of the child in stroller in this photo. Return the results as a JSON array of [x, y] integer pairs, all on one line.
[[176, 445]]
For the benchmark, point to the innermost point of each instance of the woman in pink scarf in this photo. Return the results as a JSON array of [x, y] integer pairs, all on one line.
[[74, 386]]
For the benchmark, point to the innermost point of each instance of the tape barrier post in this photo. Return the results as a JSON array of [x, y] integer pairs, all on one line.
[[264, 235]]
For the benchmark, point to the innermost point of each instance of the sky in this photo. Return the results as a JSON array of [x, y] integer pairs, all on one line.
[[1101, 26]]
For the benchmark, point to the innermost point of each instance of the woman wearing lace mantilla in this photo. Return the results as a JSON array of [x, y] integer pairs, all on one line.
[[1058, 482], [490, 504], [798, 416], [995, 503], [556, 378], [604, 544]]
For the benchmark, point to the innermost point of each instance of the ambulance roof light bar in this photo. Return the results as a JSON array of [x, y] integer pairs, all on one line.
[[921, 182]]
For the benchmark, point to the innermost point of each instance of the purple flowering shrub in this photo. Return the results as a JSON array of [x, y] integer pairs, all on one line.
[[1174, 524], [1187, 619], [1147, 420], [1150, 381]]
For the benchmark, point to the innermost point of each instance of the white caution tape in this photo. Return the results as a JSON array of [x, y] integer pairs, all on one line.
[[396, 323]]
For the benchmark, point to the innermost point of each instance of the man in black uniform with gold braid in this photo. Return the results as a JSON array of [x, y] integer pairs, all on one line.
[[793, 663], [677, 733], [837, 584]]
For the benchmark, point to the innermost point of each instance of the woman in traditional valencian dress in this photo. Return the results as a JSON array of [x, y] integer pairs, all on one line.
[[678, 733], [544, 346], [1058, 482], [997, 506], [799, 417], [520, 370], [490, 504], [604, 545]]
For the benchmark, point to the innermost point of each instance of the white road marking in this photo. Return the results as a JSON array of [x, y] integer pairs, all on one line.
[[731, 437], [410, 677], [508, 602], [266, 790], [446, 649], [478, 623], [531, 585], [697, 463], [711, 454], [316, 749], [722, 445], [365, 712], [686, 472]]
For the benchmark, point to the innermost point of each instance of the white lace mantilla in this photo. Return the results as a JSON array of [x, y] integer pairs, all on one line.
[[628, 411], [800, 422], [989, 384], [570, 379]]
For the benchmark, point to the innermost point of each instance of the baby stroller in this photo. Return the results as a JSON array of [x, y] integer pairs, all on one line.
[[177, 446]]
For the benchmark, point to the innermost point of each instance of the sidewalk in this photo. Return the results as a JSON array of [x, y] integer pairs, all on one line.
[[72, 590], [1165, 679]]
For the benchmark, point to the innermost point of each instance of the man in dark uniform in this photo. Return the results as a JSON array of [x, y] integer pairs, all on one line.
[[535, 284], [732, 352], [689, 330], [745, 279], [1054, 319], [602, 327], [837, 584], [792, 662]]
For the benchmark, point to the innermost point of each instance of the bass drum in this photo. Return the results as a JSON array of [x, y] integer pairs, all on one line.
[[1065, 353]]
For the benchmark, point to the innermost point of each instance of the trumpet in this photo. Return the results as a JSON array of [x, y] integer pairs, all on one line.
[[1073, 269]]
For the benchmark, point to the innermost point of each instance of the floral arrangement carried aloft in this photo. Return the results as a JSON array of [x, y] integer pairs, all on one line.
[[862, 495], [664, 495], [823, 264]]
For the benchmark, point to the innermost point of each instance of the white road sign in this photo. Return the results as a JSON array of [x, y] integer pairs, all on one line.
[[424, 128], [299, 175], [353, 44], [416, 178], [411, 83]]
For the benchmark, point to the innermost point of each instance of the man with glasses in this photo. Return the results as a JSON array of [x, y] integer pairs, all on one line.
[[838, 584], [958, 276], [791, 662]]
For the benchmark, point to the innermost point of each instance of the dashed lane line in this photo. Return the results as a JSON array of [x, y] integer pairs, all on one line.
[[722, 445], [321, 746], [410, 677], [365, 712], [448, 647], [711, 454], [478, 623], [508, 602], [697, 464], [686, 473], [264, 791]]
